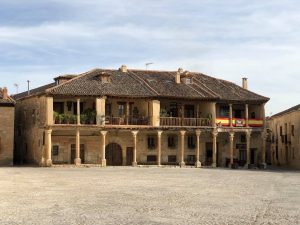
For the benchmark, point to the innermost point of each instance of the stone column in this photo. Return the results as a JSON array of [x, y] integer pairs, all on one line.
[[263, 150], [248, 142], [182, 135], [263, 114], [134, 134], [48, 161], [230, 115], [231, 139], [103, 158], [78, 111], [127, 113], [159, 147], [198, 163], [77, 160], [100, 109], [214, 114], [247, 115], [214, 134]]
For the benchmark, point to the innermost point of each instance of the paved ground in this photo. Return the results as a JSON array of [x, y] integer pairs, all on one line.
[[127, 195]]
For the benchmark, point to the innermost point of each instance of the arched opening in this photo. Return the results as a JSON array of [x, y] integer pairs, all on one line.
[[113, 154]]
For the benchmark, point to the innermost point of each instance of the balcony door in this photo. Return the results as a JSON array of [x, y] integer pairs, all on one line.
[[189, 111]]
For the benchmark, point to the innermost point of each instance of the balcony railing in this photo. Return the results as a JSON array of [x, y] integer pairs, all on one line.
[[127, 120], [178, 121], [239, 122]]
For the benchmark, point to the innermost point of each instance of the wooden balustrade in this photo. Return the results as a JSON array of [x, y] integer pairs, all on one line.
[[178, 121], [130, 120]]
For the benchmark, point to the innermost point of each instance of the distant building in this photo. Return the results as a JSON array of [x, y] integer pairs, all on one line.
[[131, 117], [7, 116], [284, 138]]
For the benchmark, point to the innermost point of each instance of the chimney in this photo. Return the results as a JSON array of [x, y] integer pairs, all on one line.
[[245, 83], [4, 93], [123, 69], [178, 73]]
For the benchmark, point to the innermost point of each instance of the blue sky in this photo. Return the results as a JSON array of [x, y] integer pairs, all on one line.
[[226, 39]]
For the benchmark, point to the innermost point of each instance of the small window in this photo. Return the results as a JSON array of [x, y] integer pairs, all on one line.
[[151, 142], [281, 131], [188, 80], [191, 142], [293, 130], [191, 159], [172, 141], [172, 159], [151, 158], [55, 149]]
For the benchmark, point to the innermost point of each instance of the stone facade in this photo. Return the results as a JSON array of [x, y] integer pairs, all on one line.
[[284, 138]]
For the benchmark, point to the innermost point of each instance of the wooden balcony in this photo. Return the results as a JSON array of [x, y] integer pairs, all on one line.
[[178, 121], [239, 122]]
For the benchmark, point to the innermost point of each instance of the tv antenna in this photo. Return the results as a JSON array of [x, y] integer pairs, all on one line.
[[17, 88], [148, 64]]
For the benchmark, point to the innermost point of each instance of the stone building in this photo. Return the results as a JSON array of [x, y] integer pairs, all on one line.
[[132, 117], [7, 116], [284, 138]]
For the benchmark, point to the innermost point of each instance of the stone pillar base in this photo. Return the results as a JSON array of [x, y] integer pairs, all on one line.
[[198, 164], [77, 161], [182, 164], [134, 164], [263, 166], [103, 162], [48, 162], [214, 165], [247, 166]]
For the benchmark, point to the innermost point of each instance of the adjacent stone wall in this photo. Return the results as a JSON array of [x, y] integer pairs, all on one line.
[[31, 118], [285, 153], [6, 135]]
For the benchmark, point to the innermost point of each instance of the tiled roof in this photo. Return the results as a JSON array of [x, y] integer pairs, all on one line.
[[151, 84], [9, 101], [39, 90], [292, 109]]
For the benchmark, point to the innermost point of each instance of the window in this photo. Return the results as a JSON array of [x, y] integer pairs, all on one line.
[[151, 142], [108, 109], [121, 109], [293, 130], [55, 149], [188, 80], [191, 159], [151, 158], [191, 142], [172, 141], [281, 131], [173, 109], [242, 155], [224, 111], [172, 159]]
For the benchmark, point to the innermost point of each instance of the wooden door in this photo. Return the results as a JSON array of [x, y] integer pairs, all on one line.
[[113, 154], [129, 156]]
